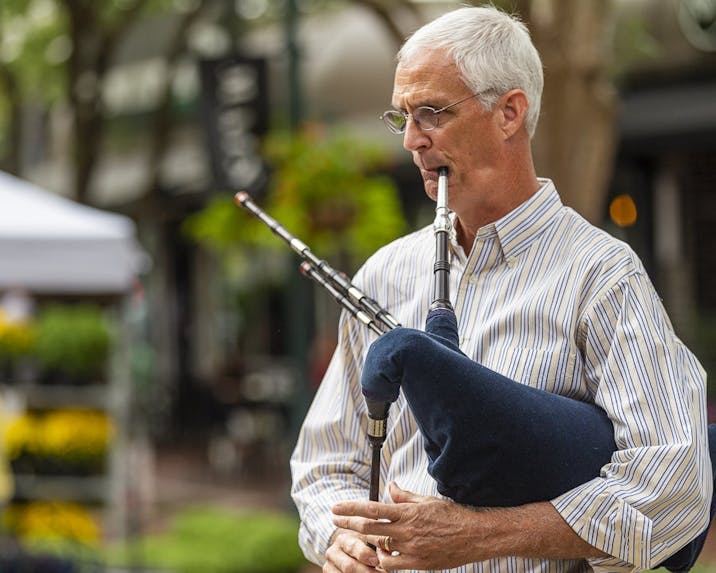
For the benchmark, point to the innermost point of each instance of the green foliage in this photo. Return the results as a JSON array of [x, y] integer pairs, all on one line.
[[37, 42], [36, 39], [213, 540], [31, 37], [110, 12], [632, 44], [324, 190], [72, 339]]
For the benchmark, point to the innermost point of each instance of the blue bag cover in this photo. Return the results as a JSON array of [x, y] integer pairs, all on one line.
[[491, 441]]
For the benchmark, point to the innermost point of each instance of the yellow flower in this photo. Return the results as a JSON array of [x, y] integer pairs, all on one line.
[[77, 435], [53, 520], [20, 436]]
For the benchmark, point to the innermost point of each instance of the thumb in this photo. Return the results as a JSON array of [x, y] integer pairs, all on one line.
[[403, 496]]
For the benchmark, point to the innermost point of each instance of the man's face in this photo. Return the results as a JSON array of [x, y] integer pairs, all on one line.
[[467, 139]]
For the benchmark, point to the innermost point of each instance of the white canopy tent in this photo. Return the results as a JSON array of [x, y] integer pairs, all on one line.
[[49, 244]]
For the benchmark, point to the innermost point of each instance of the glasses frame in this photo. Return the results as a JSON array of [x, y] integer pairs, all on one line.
[[422, 127]]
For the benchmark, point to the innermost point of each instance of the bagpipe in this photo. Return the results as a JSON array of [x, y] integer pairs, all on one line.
[[479, 452]]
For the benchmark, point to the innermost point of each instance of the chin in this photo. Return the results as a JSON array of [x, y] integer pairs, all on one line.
[[431, 189]]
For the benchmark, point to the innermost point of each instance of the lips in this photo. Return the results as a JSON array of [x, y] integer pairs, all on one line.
[[430, 174], [428, 167]]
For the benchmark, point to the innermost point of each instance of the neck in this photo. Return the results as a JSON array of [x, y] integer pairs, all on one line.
[[493, 203]]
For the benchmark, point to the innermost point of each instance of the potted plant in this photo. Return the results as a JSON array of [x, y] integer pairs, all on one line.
[[326, 188], [72, 343], [59, 442]]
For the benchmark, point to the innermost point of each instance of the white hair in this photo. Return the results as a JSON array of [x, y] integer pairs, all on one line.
[[493, 53]]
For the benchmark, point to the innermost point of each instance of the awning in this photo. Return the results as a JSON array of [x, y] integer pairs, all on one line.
[[49, 244]]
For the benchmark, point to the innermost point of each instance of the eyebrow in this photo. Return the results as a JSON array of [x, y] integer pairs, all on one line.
[[426, 103]]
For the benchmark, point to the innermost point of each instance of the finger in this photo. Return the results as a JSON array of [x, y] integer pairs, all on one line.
[[343, 562], [397, 561], [370, 509], [363, 525], [385, 543], [391, 561], [351, 548], [399, 495]]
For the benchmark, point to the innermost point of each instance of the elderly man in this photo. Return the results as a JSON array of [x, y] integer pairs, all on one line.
[[542, 297]]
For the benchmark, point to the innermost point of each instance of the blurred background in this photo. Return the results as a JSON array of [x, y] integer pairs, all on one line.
[[159, 347]]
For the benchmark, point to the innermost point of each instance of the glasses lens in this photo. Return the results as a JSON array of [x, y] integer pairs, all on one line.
[[394, 121], [425, 117]]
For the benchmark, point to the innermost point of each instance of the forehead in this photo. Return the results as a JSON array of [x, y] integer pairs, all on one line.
[[430, 77]]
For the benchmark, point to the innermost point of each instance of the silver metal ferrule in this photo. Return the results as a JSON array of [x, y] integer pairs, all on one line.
[[376, 428], [442, 220]]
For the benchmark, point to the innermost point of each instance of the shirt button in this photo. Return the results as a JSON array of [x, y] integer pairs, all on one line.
[[472, 279]]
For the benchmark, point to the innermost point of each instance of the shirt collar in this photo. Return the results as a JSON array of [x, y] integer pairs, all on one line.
[[516, 230]]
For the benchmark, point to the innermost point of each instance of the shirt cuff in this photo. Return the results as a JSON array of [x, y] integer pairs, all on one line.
[[317, 527], [609, 524]]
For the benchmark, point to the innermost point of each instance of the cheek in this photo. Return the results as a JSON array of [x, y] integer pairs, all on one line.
[[481, 137], [479, 150], [468, 154]]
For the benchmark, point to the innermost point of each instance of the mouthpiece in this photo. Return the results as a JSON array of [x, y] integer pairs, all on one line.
[[442, 171], [241, 197]]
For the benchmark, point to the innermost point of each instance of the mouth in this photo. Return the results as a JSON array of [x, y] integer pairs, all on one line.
[[429, 174]]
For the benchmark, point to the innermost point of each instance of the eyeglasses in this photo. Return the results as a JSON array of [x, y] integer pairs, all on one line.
[[425, 117]]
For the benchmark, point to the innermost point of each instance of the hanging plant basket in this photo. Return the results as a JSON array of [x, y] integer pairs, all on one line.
[[326, 189]]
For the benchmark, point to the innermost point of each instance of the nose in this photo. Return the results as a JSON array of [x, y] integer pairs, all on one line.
[[414, 138]]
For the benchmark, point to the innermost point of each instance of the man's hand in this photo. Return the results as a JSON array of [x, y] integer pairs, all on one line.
[[421, 532], [349, 551]]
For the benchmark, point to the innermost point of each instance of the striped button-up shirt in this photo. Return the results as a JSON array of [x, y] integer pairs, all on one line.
[[548, 300]]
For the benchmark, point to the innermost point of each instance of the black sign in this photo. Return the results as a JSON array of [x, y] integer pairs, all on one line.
[[235, 106]]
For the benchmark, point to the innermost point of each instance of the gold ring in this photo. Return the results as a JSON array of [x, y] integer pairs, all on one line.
[[385, 543]]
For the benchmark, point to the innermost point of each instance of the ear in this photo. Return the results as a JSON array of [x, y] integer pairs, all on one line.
[[514, 106]]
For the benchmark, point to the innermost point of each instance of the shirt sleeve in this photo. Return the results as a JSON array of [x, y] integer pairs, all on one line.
[[653, 497], [331, 460]]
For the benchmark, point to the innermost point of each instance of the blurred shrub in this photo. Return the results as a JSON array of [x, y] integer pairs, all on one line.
[[73, 340], [213, 540]]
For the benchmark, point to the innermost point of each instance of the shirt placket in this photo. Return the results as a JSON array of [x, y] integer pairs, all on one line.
[[484, 256]]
